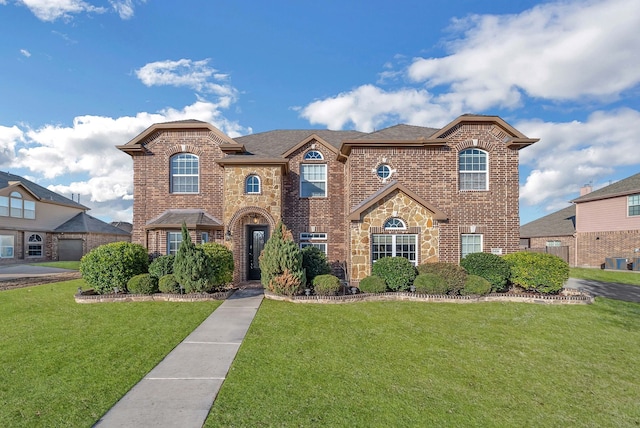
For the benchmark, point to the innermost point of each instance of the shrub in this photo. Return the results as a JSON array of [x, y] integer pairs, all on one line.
[[191, 267], [280, 255], [112, 265], [372, 284], [453, 275], [398, 272], [326, 285], [541, 272], [430, 283], [491, 267], [168, 284], [162, 265], [314, 262], [476, 285], [143, 284], [221, 259]]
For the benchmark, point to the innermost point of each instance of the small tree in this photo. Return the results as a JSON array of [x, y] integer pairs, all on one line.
[[192, 268], [221, 259], [281, 255], [314, 262]]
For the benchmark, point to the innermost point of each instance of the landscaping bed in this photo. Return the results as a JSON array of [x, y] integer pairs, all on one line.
[[38, 280]]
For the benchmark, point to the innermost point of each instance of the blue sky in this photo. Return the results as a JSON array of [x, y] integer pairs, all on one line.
[[79, 77]]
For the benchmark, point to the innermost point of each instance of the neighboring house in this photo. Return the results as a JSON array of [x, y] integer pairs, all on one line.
[[421, 193], [553, 233], [37, 224]]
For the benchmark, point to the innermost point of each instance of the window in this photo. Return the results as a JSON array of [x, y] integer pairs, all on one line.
[[185, 172], [313, 180], [252, 184], [6, 246], [633, 202], [383, 171], [34, 246], [394, 246], [554, 243], [471, 244], [313, 155], [4, 206], [394, 223], [174, 239], [29, 210], [314, 239], [16, 204], [473, 169], [204, 237]]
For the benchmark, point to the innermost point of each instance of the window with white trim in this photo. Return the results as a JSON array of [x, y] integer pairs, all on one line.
[[252, 184], [6, 246], [4, 206], [470, 243], [473, 169], [633, 204], [314, 239], [313, 180], [395, 223], [34, 245], [174, 239], [29, 210], [389, 245], [185, 173], [313, 155], [554, 243], [16, 204]]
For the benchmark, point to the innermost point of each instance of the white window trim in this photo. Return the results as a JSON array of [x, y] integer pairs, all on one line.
[[306, 158], [462, 255], [246, 182], [393, 245], [314, 239], [39, 243], [486, 172], [629, 205], [325, 181], [3, 246], [169, 233], [172, 175]]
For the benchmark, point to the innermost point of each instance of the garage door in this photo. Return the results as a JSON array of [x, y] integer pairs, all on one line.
[[69, 249]]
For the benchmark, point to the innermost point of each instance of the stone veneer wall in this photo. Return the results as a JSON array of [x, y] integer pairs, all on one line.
[[395, 205]]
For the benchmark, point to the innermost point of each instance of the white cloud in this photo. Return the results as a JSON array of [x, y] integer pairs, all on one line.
[[51, 10], [124, 8], [25, 52], [196, 75], [9, 137]]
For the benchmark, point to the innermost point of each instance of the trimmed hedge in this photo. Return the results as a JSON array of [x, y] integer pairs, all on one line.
[[168, 284], [372, 284], [326, 285], [113, 265], [221, 259], [491, 267], [398, 272], [314, 262], [453, 274], [476, 285], [430, 283], [162, 265], [541, 272], [143, 284]]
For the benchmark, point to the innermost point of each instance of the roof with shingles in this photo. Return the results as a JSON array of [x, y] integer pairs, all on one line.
[[84, 223], [399, 132], [192, 218], [44, 195], [623, 187], [559, 223], [275, 143]]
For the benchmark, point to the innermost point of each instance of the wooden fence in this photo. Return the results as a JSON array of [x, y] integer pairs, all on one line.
[[562, 252]]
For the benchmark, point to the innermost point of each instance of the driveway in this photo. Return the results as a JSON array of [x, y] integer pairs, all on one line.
[[626, 292], [10, 272]]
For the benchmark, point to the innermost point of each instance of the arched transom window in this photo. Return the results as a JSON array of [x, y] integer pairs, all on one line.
[[395, 223], [185, 173], [313, 155], [34, 245]]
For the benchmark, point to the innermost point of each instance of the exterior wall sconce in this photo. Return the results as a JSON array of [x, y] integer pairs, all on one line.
[[255, 219], [227, 235]]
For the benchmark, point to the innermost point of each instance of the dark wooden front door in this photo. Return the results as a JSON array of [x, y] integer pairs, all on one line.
[[256, 237]]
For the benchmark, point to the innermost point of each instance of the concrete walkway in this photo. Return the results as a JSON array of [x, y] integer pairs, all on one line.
[[180, 391]]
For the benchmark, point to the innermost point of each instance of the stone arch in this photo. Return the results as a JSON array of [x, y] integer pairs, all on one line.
[[242, 212]]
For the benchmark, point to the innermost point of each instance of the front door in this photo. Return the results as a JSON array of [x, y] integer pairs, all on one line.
[[256, 237]]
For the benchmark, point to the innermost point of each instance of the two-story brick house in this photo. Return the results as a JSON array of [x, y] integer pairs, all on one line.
[[422, 193]]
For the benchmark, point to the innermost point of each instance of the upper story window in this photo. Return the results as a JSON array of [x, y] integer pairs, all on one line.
[[185, 173], [252, 184], [383, 171], [473, 169], [313, 155], [4, 206], [394, 223], [15, 206], [313, 180], [633, 202]]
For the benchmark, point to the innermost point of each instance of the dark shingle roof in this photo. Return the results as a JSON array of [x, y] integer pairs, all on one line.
[[84, 223], [45, 195], [126, 226], [175, 218], [273, 144], [619, 188], [400, 132], [559, 223]]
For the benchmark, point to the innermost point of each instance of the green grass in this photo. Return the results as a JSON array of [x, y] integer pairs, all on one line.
[[64, 364], [632, 278], [382, 364], [62, 265]]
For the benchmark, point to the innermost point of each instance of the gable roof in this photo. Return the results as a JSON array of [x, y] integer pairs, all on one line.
[[628, 186], [394, 185], [559, 223], [170, 219], [40, 193], [84, 223], [277, 143]]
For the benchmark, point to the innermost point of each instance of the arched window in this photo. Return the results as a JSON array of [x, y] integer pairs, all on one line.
[[185, 173], [395, 223], [473, 169], [252, 184], [313, 155], [16, 204], [34, 245]]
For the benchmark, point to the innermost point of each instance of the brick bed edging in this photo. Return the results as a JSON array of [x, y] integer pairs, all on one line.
[[583, 298], [157, 297]]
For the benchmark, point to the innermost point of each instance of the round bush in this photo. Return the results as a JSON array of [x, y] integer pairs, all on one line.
[[372, 284], [314, 262], [162, 265], [113, 265], [398, 272], [221, 259], [143, 284], [476, 285], [168, 284], [430, 283], [491, 267], [326, 285], [453, 274], [541, 272]]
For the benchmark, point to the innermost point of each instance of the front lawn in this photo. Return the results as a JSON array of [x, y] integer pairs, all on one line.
[[382, 364], [64, 364], [594, 274], [73, 265]]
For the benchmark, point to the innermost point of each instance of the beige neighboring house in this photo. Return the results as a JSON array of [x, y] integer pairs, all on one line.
[[37, 224]]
